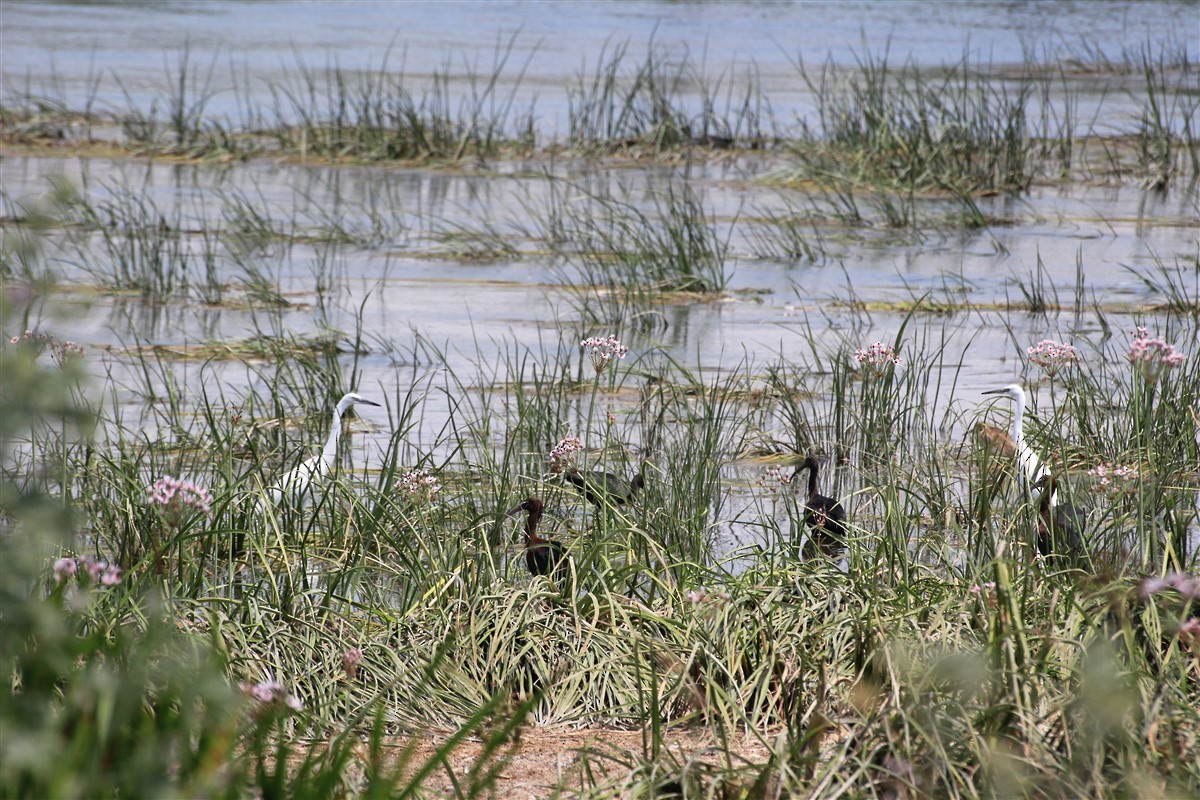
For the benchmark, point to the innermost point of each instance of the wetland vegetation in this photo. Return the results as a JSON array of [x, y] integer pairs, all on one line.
[[685, 285]]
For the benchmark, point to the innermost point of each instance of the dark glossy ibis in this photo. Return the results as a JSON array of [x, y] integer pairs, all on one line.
[[1060, 531], [600, 487], [543, 556], [824, 516]]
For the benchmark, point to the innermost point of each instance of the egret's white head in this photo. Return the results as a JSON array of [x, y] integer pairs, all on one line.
[[351, 399], [1012, 391]]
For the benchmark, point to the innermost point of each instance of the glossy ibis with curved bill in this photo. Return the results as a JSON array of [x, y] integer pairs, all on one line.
[[543, 556], [1032, 470], [1060, 531], [599, 487], [823, 515]]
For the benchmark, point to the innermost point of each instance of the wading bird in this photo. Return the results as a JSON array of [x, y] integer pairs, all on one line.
[[294, 484], [1032, 469], [543, 556], [599, 487], [995, 439], [998, 451], [824, 515], [1060, 535]]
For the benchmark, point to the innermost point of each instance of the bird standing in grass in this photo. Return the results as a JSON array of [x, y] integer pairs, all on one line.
[[1032, 470], [1060, 532], [543, 556], [823, 515], [295, 484], [600, 487]]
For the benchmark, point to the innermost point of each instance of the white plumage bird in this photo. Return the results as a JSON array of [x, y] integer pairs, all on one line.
[[1033, 473], [295, 483]]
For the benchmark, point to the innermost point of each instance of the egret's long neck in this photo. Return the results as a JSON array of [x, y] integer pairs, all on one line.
[[812, 479], [1019, 422], [329, 453]]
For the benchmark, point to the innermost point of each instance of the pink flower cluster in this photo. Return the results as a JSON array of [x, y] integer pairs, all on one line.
[[36, 338], [1051, 356], [603, 349], [98, 572], [699, 596], [878, 358], [270, 693], [1187, 586], [421, 487], [1153, 357], [1189, 631], [986, 592], [1114, 481], [177, 498], [562, 455], [350, 661], [779, 475], [65, 353]]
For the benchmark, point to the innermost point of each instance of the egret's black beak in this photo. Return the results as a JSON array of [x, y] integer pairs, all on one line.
[[369, 403], [995, 391], [515, 510]]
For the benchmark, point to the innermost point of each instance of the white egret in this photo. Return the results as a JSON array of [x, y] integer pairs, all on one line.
[[1032, 473], [295, 483]]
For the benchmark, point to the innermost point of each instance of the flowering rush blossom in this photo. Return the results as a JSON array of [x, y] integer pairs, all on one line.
[[1052, 356], [1152, 357], [776, 474], [877, 359], [98, 572], [350, 661], [65, 353], [420, 486], [65, 569], [602, 350], [270, 693], [1187, 586], [1189, 631], [176, 498], [563, 455], [1114, 481], [36, 338]]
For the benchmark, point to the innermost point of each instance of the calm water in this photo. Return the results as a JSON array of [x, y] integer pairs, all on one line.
[[129, 46], [478, 310]]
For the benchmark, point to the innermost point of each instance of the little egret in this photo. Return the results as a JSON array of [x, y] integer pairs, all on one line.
[[598, 487], [1060, 526], [1032, 470], [824, 515], [295, 483], [543, 556]]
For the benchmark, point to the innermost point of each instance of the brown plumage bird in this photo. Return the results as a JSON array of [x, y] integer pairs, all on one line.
[[995, 439], [543, 556]]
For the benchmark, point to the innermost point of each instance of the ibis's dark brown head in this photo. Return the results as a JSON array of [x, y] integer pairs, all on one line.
[[533, 505]]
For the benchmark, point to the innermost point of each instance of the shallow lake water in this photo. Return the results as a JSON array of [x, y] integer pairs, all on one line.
[[399, 278]]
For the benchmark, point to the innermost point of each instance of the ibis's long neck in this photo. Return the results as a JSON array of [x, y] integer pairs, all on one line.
[[329, 453], [812, 478], [531, 523]]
